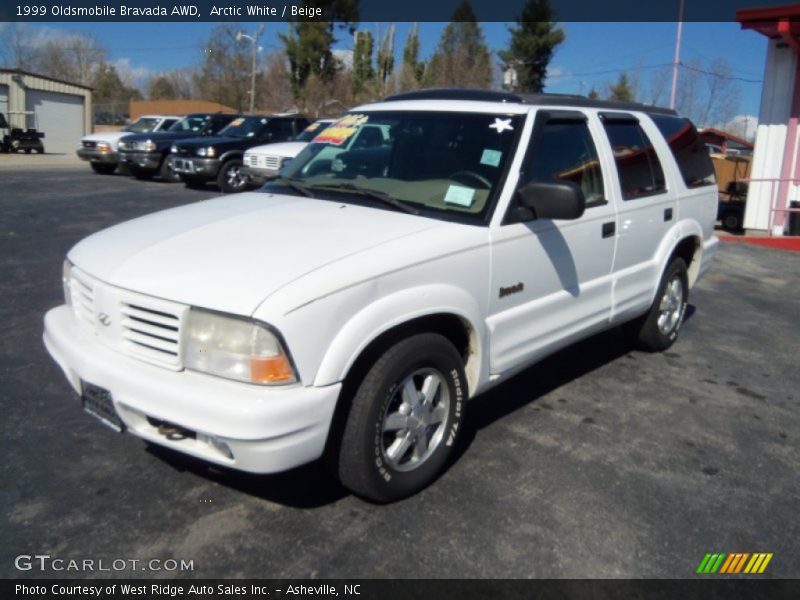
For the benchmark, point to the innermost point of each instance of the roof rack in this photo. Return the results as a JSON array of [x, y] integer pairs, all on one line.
[[538, 99]]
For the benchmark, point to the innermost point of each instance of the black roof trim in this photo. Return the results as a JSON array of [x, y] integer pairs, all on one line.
[[537, 99]]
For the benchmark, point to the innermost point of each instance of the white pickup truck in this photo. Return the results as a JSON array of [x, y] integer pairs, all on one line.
[[351, 307], [100, 149]]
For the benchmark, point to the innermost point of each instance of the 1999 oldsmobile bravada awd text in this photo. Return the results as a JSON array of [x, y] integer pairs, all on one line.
[[352, 305]]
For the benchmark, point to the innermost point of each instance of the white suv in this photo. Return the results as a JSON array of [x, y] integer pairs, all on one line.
[[353, 305]]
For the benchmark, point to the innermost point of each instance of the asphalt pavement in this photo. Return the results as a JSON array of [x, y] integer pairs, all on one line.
[[598, 462]]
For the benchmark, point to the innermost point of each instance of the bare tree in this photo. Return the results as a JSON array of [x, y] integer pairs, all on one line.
[[276, 90]]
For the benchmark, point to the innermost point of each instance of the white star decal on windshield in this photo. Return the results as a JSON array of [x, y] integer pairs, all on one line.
[[501, 125]]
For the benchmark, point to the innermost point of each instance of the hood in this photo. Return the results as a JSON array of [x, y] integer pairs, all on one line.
[[111, 137], [231, 253], [283, 149]]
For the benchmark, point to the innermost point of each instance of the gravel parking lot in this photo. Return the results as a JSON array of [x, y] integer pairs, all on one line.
[[598, 462]]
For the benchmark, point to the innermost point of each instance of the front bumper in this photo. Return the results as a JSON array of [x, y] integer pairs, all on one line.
[[98, 156], [195, 167], [150, 161], [257, 176], [267, 429]]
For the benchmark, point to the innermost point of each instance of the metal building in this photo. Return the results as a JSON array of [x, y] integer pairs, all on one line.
[[775, 173], [62, 110]]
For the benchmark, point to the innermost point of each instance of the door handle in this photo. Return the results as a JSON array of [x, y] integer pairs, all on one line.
[[668, 214], [609, 229]]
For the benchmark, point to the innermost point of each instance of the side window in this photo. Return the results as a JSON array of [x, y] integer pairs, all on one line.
[[688, 149], [167, 124], [281, 130], [640, 172], [565, 151]]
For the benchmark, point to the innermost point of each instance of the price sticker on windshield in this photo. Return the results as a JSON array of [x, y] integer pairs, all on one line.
[[341, 131]]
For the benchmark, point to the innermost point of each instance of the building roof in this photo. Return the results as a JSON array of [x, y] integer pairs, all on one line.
[[56, 79], [726, 135], [767, 20]]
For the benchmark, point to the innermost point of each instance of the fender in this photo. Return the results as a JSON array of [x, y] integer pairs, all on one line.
[[389, 312], [229, 155], [686, 228]]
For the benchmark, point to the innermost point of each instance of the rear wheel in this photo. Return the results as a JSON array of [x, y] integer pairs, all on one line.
[[732, 220], [103, 169], [231, 179], [658, 329], [404, 419]]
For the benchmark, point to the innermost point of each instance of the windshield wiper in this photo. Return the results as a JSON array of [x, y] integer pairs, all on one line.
[[291, 183], [382, 197]]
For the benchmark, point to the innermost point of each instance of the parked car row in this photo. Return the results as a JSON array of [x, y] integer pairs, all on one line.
[[237, 152]]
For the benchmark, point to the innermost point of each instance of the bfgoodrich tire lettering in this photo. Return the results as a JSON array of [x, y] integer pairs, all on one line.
[[383, 458]]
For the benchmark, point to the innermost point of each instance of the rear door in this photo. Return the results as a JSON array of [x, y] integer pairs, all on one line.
[[646, 210]]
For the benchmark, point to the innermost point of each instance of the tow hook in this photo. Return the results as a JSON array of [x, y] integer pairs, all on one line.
[[173, 432]]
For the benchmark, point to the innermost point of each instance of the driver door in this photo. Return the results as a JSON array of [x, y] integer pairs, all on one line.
[[551, 279]]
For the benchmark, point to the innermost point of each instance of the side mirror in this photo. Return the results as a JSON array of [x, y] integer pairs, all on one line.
[[552, 199]]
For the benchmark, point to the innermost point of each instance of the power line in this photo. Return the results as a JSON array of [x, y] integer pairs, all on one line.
[[719, 75]]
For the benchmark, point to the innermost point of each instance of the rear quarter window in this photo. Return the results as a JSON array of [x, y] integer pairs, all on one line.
[[640, 172], [688, 149]]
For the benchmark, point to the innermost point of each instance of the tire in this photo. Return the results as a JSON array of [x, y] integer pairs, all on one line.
[[230, 180], [166, 172], [731, 221], [27, 150], [142, 174], [378, 457], [194, 183], [103, 169], [658, 329]]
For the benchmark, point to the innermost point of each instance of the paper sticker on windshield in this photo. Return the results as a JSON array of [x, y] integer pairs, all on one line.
[[312, 127], [237, 122], [501, 125], [457, 194], [341, 131], [491, 157]]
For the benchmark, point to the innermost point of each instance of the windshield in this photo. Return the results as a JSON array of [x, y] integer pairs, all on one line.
[[192, 124], [312, 131], [244, 127], [441, 164], [144, 125]]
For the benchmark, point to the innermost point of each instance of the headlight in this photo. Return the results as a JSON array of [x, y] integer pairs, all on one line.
[[173, 149], [209, 152], [235, 348], [147, 146], [66, 277], [103, 147]]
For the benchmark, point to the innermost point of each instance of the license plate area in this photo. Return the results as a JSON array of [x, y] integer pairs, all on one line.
[[97, 402], [183, 165]]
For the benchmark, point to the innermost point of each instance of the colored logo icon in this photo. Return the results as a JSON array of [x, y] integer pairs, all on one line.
[[735, 563]]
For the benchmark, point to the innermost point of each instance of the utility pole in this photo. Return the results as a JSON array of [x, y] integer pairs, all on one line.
[[676, 60], [254, 40]]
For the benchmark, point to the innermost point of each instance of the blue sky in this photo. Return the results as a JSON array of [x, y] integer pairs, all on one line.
[[592, 55]]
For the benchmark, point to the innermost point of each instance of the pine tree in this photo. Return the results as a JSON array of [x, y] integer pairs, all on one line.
[[533, 40], [621, 91], [413, 69], [363, 76], [462, 58]]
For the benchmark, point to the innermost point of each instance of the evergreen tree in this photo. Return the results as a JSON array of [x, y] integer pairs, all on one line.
[[386, 59], [363, 75], [413, 69], [621, 91], [462, 58], [533, 40], [593, 95]]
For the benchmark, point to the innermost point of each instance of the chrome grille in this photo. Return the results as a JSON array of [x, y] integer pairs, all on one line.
[[87, 144], [252, 160], [151, 334], [272, 162]]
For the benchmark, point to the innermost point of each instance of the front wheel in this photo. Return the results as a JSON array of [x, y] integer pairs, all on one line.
[[658, 329], [405, 419], [231, 179]]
